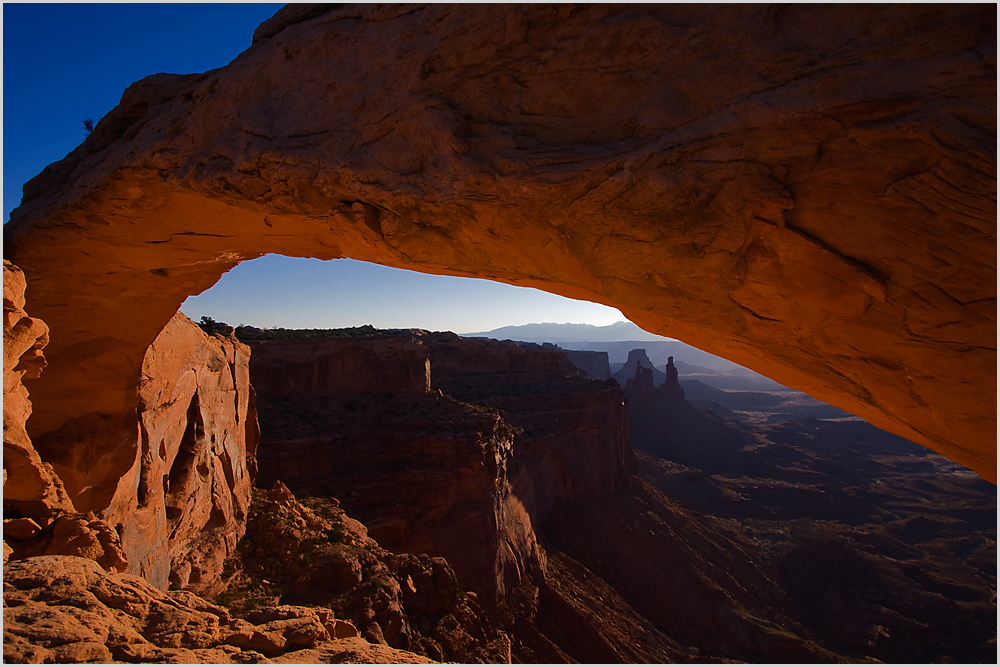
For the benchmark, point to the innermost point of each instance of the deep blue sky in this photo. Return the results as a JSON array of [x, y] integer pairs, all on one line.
[[64, 63]]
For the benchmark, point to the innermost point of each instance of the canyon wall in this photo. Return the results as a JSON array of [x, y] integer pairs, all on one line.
[[594, 364], [30, 486], [183, 506], [455, 478], [807, 190], [285, 368], [422, 471], [180, 507], [573, 442], [39, 517]]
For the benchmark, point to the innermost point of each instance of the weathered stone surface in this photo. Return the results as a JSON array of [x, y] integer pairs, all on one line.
[[309, 551], [806, 190], [30, 486], [39, 516], [66, 609], [182, 506]]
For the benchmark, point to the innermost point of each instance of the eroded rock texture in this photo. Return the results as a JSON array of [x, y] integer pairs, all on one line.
[[38, 515], [808, 191], [179, 499], [182, 506], [453, 478], [425, 473], [30, 486], [66, 609]]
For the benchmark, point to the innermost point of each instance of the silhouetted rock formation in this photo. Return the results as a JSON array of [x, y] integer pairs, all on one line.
[[671, 386], [662, 421], [641, 382], [593, 364], [637, 357]]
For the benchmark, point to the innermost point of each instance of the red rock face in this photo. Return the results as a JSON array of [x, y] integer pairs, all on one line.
[[182, 507], [573, 442], [30, 485], [39, 515], [808, 191]]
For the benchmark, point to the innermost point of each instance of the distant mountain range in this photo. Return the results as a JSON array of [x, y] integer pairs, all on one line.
[[622, 337], [549, 332]]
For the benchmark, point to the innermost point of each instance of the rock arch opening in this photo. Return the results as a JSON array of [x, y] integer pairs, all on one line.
[[785, 216]]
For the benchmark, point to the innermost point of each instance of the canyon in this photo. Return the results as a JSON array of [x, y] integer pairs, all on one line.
[[176, 492], [766, 516], [504, 515]]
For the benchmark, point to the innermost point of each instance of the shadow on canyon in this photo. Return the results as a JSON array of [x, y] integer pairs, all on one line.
[[421, 496], [758, 536]]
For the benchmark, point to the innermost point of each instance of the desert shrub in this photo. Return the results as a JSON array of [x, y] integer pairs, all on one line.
[[336, 534]]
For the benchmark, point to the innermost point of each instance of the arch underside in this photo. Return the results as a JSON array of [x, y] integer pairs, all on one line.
[[732, 178]]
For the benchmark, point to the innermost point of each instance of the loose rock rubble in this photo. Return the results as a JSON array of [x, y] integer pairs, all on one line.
[[67, 609]]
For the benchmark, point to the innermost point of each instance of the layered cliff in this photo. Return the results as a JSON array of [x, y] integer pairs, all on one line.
[[297, 368], [573, 442], [456, 478], [424, 472], [425, 475], [593, 364]]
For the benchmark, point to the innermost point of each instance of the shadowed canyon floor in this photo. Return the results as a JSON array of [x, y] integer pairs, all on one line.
[[513, 521], [801, 540]]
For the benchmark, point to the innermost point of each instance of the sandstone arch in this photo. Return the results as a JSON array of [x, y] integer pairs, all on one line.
[[808, 191]]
